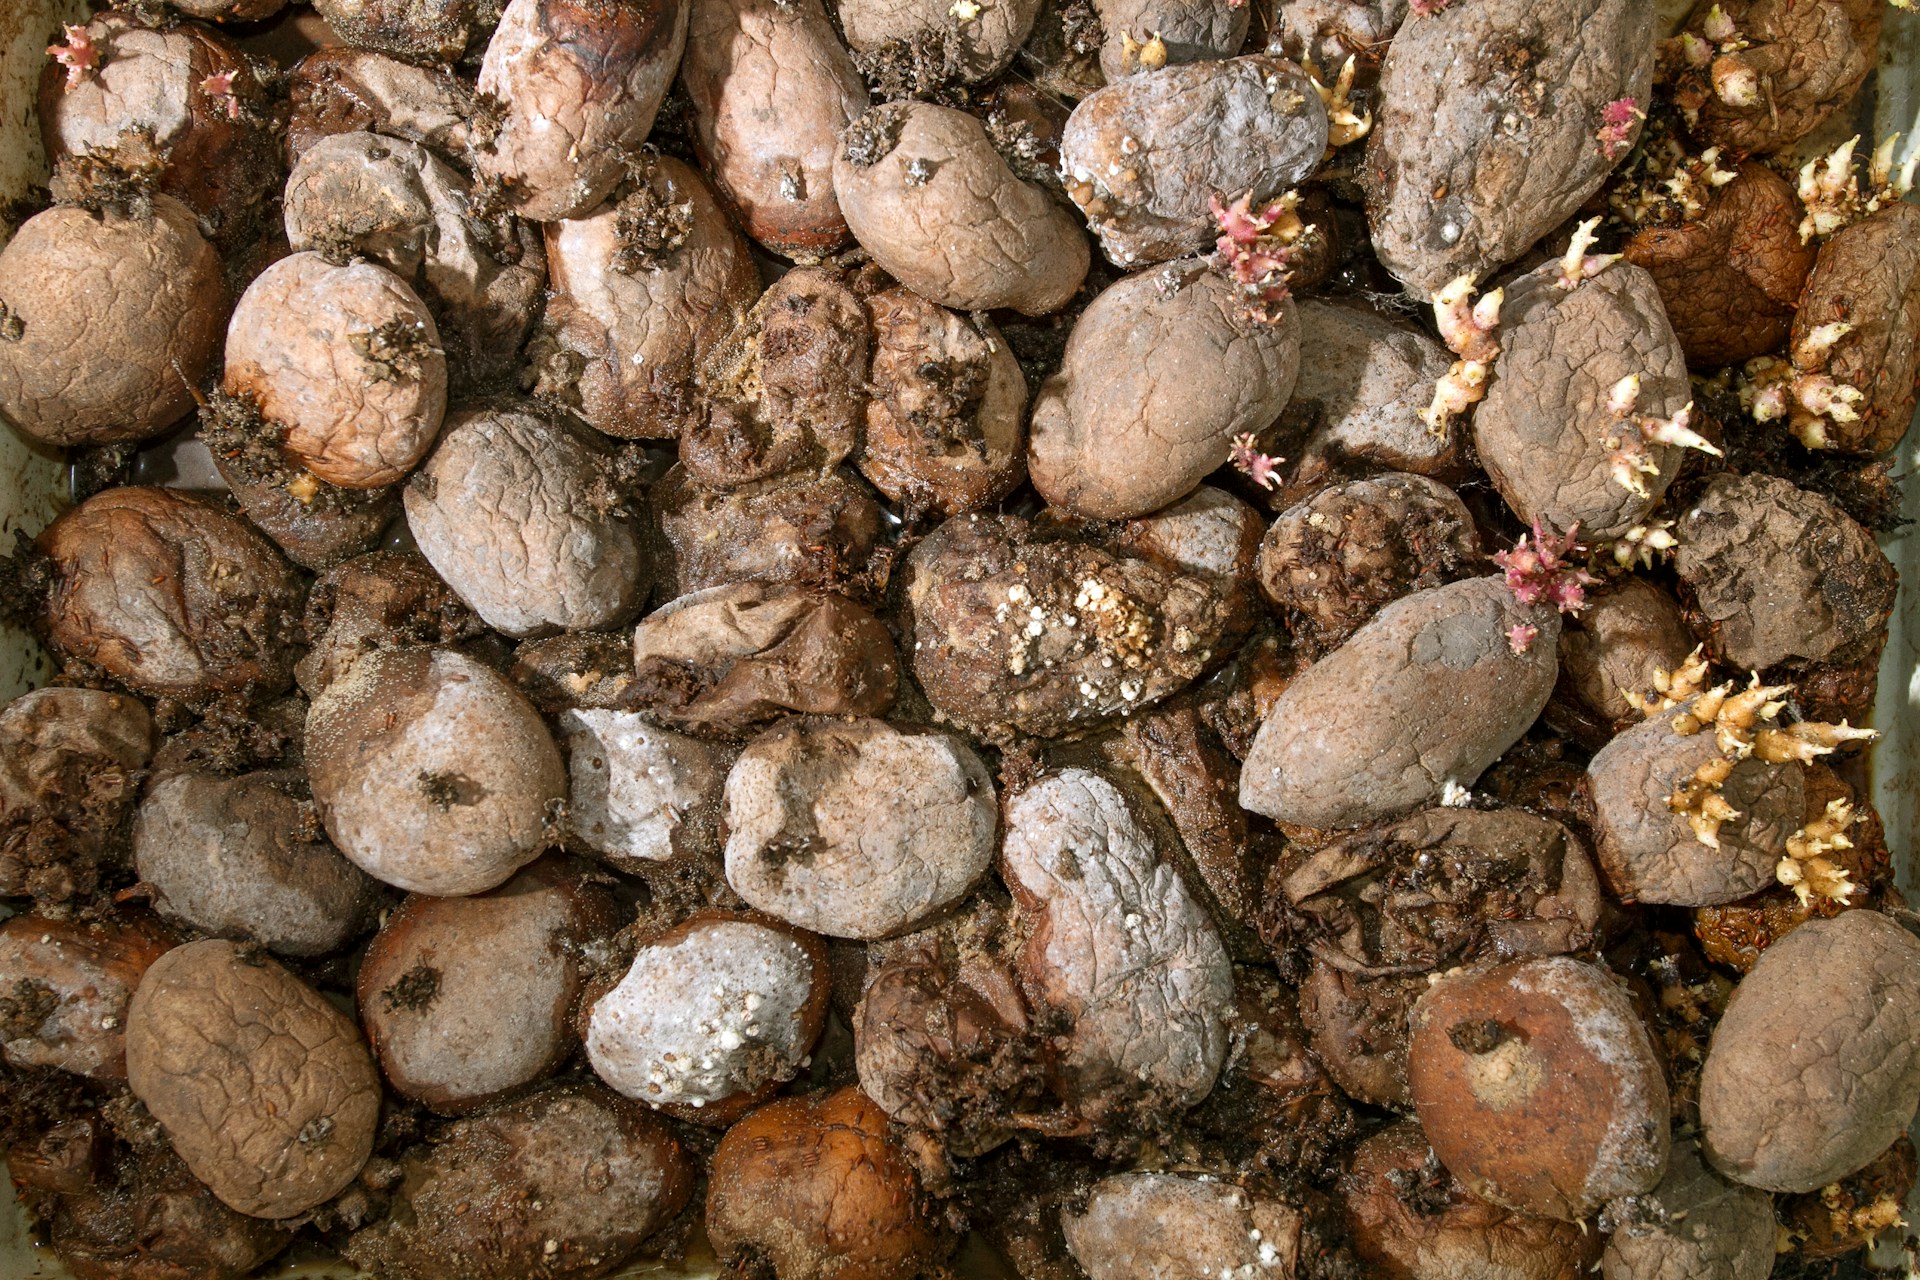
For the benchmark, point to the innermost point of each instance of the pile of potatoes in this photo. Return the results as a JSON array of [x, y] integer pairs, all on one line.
[[1084, 641]]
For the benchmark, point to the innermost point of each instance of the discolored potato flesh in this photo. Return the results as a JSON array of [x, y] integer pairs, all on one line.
[[1868, 276], [802, 527], [1695, 1223], [64, 989]]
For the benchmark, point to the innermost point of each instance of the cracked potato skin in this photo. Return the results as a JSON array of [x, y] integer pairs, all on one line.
[[264, 1088], [1868, 275], [1809, 60]]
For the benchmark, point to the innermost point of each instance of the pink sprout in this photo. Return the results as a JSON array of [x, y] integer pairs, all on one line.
[[220, 85], [1253, 254], [1259, 467], [77, 55], [1616, 124], [1427, 8], [1542, 571], [1520, 637]]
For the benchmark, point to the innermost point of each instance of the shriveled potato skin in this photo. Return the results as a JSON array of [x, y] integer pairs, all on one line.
[[1812, 1070], [1143, 156], [100, 309], [1429, 692], [641, 333], [1780, 573], [506, 511], [1330, 31], [970, 235], [1140, 1226], [433, 30], [1540, 431], [1193, 31], [265, 1089], [581, 80], [1868, 276], [1629, 630], [796, 528], [1483, 137], [431, 772], [1701, 1227], [71, 766], [230, 10], [170, 594], [66, 987], [375, 601], [984, 44], [340, 89], [1809, 59], [772, 89], [1161, 371], [345, 524]]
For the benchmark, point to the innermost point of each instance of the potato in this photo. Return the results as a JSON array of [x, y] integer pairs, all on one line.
[[360, 387], [71, 763], [805, 527], [1419, 700], [170, 595], [514, 511], [64, 989], [816, 1188], [1694, 1224], [724, 659], [1545, 432], [1629, 631], [243, 858], [1483, 140], [1210, 534], [713, 1016], [432, 30], [1538, 1087], [465, 1000], [264, 1088], [946, 424], [1161, 371], [1779, 573], [1868, 276], [1141, 1225], [1114, 946], [1812, 1070], [641, 795], [1328, 32], [976, 48], [337, 525], [431, 772], [927, 195], [1330, 563], [587, 670], [564, 1185], [107, 323], [1145, 156], [1191, 30], [642, 287], [1013, 631], [580, 81], [1731, 278], [1410, 1219], [857, 829], [340, 89], [1796, 65], [1847, 1217], [375, 601], [229, 10]]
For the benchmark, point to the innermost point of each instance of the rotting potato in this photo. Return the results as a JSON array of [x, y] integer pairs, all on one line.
[[518, 513], [465, 1000], [1013, 630], [1484, 139], [1812, 1071], [1161, 372], [977, 47], [337, 525], [1779, 573], [641, 795], [341, 89], [1148, 157], [722, 660], [1138, 1225], [1849, 1216], [431, 772], [579, 82], [1548, 432], [376, 601], [712, 1017], [1212, 535], [926, 193], [1328, 32], [1189, 30], [107, 323], [642, 287], [1630, 630], [1792, 66], [1694, 1224], [1417, 702], [805, 527], [856, 828], [772, 89], [64, 988], [229, 10], [584, 670], [170, 594], [359, 386], [264, 1088], [564, 1185], [1115, 946], [244, 858], [1537, 1084], [430, 30], [946, 424], [817, 1188]]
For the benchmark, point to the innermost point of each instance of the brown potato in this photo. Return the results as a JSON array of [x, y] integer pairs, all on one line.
[[340, 89], [64, 989], [1868, 276], [1799, 64], [1161, 372], [1191, 30], [641, 796], [1137, 1225], [1695, 1223], [927, 195], [1328, 32], [107, 323], [1629, 630], [586, 670], [230, 10], [432, 30], [265, 1089], [1212, 535], [977, 48], [336, 526], [376, 601], [805, 527]]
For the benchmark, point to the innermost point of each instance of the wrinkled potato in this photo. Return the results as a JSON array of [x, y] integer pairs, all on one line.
[[265, 1089], [229, 10], [977, 48], [1483, 141], [170, 594], [1328, 32], [1210, 534], [804, 527], [342, 89], [1799, 63], [1868, 276], [1419, 700], [64, 989], [1137, 1225], [772, 89], [1161, 372], [376, 601], [1812, 1070], [1144, 157], [1629, 631], [516, 512], [1694, 1224], [642, 287], [641, 795], [586, 670], [360, 387], [580, 82], [432, 30], [925, 192], [321, 535], [107, 323], [431, 772], [1191, 31]]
